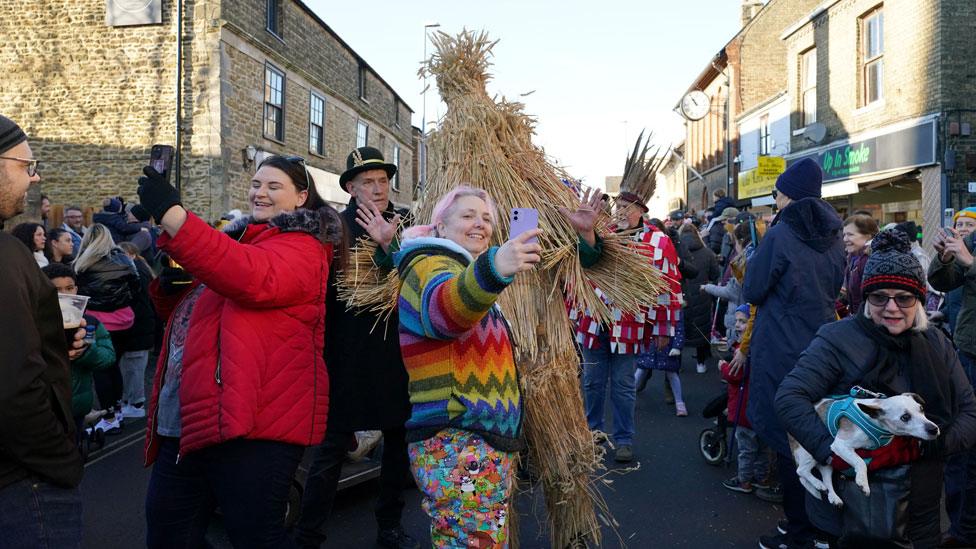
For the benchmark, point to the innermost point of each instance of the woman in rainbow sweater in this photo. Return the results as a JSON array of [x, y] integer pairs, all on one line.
[[466, 420]]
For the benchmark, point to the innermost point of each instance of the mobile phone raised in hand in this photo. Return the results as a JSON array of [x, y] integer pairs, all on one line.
[[522, 220], [161, 160]]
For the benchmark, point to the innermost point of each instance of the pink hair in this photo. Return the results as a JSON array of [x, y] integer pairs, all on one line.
[[443, 207]]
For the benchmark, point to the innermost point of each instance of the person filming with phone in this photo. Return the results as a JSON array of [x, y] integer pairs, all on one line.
[[952, 271], [466, 419], [241, 386]]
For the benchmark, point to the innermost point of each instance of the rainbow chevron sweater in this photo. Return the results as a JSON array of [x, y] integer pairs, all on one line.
[[456, 344]]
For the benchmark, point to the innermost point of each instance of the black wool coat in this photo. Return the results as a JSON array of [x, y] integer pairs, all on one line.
[[367, 379], [698, 305]]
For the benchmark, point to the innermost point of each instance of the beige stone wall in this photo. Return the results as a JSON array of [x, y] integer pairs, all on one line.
[[92, 98]]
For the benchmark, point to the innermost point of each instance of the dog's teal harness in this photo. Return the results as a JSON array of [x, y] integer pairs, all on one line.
[[846, 407]]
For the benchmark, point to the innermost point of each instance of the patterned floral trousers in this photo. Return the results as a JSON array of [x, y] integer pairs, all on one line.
[[467, 487]]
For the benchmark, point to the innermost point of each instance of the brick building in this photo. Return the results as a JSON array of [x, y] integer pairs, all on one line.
[[257, 77], [892, 90], [880, 94]]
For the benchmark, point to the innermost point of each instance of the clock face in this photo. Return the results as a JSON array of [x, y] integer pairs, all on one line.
[[695, 105]]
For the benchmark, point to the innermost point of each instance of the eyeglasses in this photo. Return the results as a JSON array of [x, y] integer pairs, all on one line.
[[31, 164], [775, 194], [300, 160], [903, 301]]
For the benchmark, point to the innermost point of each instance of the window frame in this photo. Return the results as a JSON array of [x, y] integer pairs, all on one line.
[[395, 157], [273, 7], [312, 125], [362, 125], [808, 61], [396, 113], [765, 137], [869, 62], [270, 69]]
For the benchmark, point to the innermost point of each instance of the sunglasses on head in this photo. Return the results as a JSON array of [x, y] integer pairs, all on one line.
[[300, 160]]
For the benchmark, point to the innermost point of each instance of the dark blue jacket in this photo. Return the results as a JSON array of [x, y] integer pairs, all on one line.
[[793, 278], [116, 224], [721, 204], [837, 359]]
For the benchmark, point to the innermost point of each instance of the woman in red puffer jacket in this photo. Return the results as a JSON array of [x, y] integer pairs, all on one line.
[[241, 386]]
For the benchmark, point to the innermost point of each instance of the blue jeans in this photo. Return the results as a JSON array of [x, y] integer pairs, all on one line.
[[753, 461], [599, 367], [249, 480], [36, 514], [960, 481]]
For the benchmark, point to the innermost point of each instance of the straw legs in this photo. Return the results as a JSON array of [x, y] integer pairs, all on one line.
[[467, 487], [600, 365]]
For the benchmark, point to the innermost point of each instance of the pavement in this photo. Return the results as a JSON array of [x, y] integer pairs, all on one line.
[[668, 497]]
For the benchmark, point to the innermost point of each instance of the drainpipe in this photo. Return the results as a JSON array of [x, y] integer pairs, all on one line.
[[179, 94]]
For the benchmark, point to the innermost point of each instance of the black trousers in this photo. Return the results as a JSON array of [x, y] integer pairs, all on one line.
[[794, 500], [323, 481]]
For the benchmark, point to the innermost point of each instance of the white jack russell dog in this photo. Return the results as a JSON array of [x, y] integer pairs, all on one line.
[[858, 423]]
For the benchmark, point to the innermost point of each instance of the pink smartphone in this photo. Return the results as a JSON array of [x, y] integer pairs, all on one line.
[[522, 220]]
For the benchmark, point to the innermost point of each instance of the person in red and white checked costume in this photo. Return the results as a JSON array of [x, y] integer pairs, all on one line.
[[610, 351]]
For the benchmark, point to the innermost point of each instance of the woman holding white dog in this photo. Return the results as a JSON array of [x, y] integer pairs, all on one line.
[[886, 348]]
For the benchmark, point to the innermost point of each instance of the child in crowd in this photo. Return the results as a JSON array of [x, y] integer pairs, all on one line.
[[753, 458], [99, 356]]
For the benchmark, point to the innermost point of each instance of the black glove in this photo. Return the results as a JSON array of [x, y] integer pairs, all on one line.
[[173, 280], [156, 195]]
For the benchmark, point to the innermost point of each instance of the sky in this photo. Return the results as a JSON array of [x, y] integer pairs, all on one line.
[[599, 72]]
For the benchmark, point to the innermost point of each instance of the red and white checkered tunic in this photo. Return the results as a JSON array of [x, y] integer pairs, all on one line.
[[628, 332]]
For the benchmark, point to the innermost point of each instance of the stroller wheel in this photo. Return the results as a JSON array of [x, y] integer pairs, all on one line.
[[712, 446]]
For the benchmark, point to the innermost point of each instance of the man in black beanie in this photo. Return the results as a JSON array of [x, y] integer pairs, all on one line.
[[793, 279], [40, 466]]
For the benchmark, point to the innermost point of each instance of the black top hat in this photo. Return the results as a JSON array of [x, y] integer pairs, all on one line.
[[363, 159]]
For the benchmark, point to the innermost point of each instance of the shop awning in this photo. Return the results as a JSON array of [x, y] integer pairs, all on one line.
[[847, 186]]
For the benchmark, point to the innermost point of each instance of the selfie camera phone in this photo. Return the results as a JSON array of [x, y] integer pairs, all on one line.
[[161, 160], [947, 215], [522, 220]]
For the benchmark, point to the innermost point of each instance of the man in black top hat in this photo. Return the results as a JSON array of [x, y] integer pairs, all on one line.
[[366, 374], [40, 466]]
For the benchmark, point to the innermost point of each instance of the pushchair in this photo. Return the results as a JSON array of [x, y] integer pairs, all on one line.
[[713, 442]]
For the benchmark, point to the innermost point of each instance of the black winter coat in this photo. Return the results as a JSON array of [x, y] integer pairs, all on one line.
[[111, 283], [142, 334], [37, 433], [698, 305], [793, 278], [367, 379], [838, 358]]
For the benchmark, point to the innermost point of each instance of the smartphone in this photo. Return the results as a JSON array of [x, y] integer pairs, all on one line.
[[947, 215], [948, 232], [522, 220], [161, 159]]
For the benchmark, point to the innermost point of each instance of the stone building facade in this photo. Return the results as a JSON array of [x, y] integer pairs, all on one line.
[[94, 98]]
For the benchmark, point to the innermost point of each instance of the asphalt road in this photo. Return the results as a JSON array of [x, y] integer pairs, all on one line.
[[671, 498]]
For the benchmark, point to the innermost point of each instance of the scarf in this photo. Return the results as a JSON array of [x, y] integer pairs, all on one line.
[[910, 356]]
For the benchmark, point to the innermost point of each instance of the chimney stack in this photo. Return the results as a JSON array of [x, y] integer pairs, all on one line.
[[749, 10]]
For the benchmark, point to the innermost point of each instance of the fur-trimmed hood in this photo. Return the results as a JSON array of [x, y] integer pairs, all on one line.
[[323, 224]]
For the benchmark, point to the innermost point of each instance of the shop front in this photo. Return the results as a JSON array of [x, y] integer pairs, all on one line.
[[891, 172]]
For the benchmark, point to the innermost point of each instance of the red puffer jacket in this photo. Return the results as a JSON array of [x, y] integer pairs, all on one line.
[[252, 362]]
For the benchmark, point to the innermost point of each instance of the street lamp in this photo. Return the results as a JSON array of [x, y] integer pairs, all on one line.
[[423, 117]]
